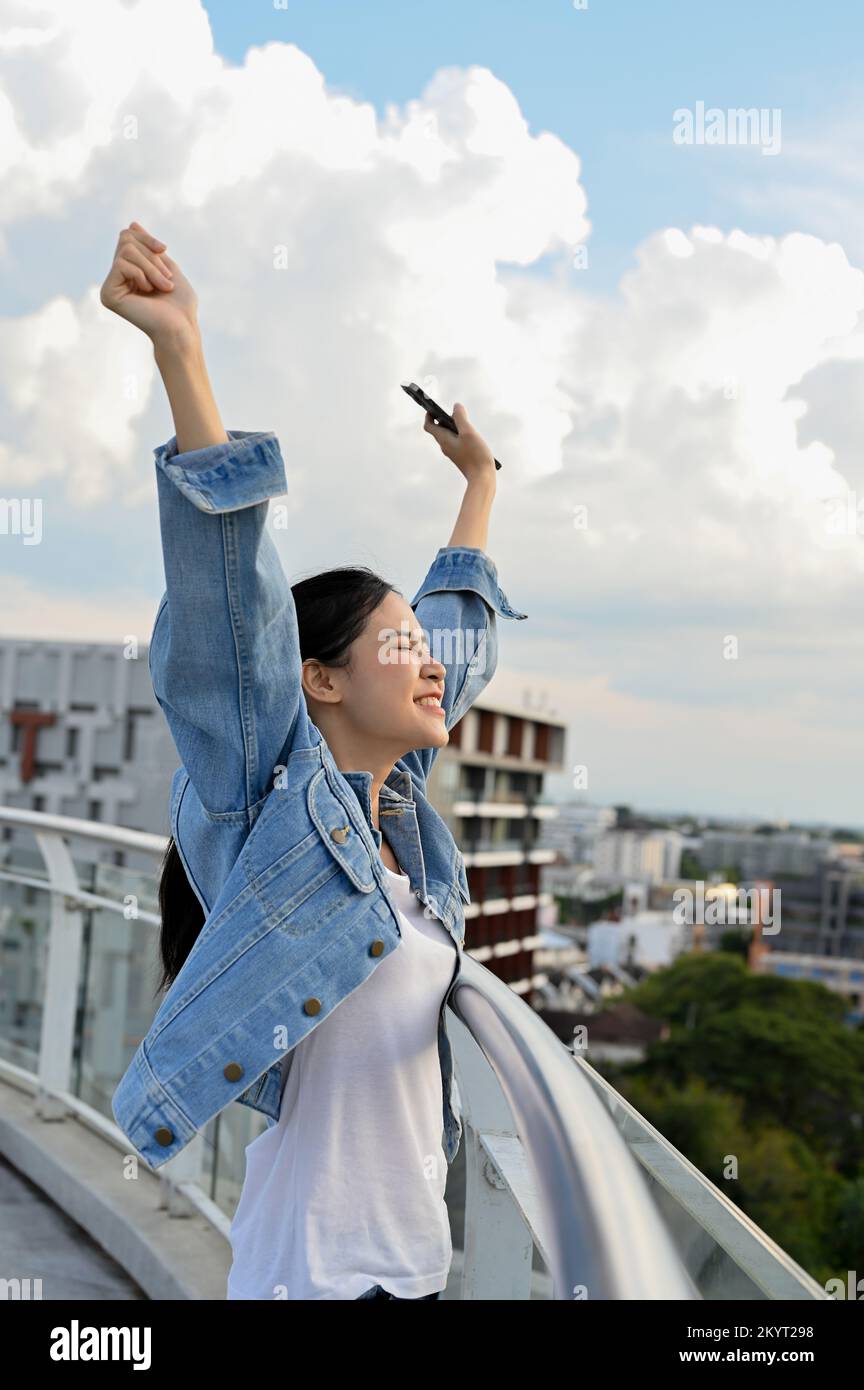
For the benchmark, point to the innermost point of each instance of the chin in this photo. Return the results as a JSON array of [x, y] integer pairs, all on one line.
[[436, 739]]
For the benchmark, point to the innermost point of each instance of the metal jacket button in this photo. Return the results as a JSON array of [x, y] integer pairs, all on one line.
[[164, 1136], [312, 1006], [376, 948], [233, 1071], [339, 833]]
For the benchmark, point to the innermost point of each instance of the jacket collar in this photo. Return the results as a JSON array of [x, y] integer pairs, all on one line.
[[396, 787]]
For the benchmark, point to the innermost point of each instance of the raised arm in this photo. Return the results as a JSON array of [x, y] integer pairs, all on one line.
[[457, 603], [224, 654]]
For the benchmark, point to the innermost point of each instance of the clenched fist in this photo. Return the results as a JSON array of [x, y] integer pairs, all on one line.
[[146, 287]]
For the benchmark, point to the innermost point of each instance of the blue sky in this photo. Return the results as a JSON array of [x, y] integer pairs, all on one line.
[[606, 80]]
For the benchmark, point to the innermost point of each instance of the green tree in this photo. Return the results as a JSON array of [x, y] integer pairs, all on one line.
[[737, 942], [691, 865], [764, 1070]]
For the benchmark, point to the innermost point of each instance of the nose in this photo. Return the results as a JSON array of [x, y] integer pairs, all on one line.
[[432, 667]]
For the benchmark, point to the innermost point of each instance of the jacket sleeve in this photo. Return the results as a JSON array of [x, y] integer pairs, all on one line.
[[224, 654], [457, 606]]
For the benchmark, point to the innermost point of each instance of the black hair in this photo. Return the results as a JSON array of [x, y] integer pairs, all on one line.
[[332, 609]]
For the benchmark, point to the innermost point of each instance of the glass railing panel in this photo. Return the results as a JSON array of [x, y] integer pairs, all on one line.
[[227, 1137], [118, 986], [21, 855], [740, 1261], [24, 926]]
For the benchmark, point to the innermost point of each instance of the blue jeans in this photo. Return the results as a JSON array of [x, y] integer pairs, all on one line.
[[376, 1291]]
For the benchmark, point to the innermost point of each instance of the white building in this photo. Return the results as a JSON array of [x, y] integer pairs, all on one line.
[[576, 829], [81, 733], [651, 855], [651, 939]]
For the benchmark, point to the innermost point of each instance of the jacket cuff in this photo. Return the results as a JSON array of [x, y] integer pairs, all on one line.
[[142, 1109], [467, 567], [247, 469]]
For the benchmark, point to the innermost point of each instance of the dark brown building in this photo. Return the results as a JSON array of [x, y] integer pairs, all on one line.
[[488, 785]]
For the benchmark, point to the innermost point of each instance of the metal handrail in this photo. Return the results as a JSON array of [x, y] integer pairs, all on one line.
[[115, 835], [603, 1235]]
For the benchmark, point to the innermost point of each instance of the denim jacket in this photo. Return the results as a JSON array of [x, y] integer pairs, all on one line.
[[278, 844]]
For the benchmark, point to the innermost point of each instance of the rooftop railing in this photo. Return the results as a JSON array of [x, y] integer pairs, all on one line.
[[560, 1170]]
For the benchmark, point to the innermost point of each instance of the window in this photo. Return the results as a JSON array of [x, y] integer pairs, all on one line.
[[485, 733], [130, 731], [494, 886], [474, 781]]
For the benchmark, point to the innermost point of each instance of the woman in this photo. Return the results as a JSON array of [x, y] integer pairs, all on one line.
[[344, 1192]]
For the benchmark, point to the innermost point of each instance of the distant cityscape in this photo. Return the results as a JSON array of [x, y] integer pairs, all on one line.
[[794, 895]]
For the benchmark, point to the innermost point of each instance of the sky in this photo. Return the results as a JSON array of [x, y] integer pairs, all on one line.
[[542, 210]]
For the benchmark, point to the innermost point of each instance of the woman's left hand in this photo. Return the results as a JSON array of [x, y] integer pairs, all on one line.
[[470, 453]]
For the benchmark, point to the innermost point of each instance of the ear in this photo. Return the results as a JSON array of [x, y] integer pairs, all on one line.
[[318, 682]]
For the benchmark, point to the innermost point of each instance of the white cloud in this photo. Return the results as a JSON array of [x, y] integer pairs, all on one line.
[[75, 392]]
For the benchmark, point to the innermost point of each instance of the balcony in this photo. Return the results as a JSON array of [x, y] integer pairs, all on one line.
[[502, 805], [500, 853], [560, 1190]]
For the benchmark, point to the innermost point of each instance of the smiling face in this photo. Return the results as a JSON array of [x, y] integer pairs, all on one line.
[[371, 709]]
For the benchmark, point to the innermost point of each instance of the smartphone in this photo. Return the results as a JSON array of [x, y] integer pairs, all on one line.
[[439, 416]]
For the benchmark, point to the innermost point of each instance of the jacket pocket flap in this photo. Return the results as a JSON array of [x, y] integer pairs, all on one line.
[[338, 834]]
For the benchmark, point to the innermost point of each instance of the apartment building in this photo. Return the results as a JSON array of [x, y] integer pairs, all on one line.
[[759, 855], [649, 855], [488, 785], [81, 733]]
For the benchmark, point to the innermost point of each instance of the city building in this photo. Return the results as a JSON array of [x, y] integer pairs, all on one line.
[[759, 855], [651, 855], [488, 785], [648, 938], [81, 733], [822, 913], [575, 830], [844, 977]]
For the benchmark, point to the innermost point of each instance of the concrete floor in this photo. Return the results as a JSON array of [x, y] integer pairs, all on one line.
[[38, 1241], [184, 1258]]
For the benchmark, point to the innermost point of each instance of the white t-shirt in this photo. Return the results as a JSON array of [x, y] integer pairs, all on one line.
[[346, 1190]]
